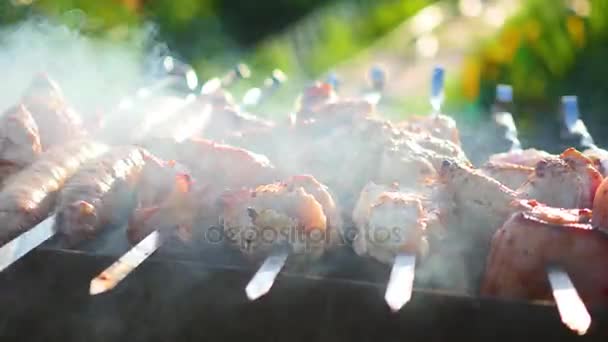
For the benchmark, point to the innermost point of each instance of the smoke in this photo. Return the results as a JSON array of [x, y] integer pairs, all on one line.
[[93, 72]]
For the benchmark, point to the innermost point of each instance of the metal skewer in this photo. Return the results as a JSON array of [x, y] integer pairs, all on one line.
[[174, 73], [333, 80], [401, 281], [437, 89], [503, 118], [574, 124], [264, 278], [240, 71], [119, 270], [377, 78], [571, 308], [24, 243], [254, 96]]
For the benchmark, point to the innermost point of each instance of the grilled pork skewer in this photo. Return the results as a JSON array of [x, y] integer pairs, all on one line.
[[295, 216], [539, 237], [99, 194], [165, 209], [19, 141], [29, 196], [170, 202], [512, 175], [570, 306], [57, 121], [390, 227], [438, 125], [576, 128]]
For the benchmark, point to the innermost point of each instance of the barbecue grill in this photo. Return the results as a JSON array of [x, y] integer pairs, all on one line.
[[197, 296], [195, 292]]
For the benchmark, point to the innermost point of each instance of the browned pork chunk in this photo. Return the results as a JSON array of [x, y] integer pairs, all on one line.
[[539, 237], [439, 126], [528, 157], [218, 164], [57, 121], [512, 176], [19, 141], [166, 201], [99, 194], [293, 212], [389, 222], [29, 196]]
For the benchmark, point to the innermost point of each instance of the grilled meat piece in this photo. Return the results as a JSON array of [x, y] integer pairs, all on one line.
[[57, 121], [19, 141], [293, 212], [600, 159], [313, 97], [166, 202], [29, 196], [528, 157], [471, 207], [99, 194], [389, 221], [439, 126], [565, 181], [542, 236], [512, 176], [222, 165]]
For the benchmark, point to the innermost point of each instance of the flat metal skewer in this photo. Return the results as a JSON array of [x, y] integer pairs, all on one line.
[[264, 278], [437, 89], [119, 270], [574, 124], [502, 116], [24, 243], [254, 96], [377, 78], [571, 308], [401, 281]]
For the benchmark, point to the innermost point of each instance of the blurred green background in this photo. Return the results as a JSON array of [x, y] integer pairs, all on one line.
[[547, 49]]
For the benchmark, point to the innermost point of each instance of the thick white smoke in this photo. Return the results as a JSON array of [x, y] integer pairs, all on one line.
[[93, 72]]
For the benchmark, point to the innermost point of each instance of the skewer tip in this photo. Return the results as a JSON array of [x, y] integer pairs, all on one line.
[[265, 277], [401, 282], [98, 286], [571, 308]]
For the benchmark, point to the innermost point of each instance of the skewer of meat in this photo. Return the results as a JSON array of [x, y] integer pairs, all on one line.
[[489, 205], [391, 226], [572, 310], [165, 206], [30, 195], [19, 141], [171, 199], [513, 175], [438, 125], [541, 237], [99, 194], [577, 129], [296, 216], [57, 121]]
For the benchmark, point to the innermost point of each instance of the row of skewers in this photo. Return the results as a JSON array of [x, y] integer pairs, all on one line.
[[402, 193]]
